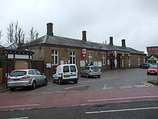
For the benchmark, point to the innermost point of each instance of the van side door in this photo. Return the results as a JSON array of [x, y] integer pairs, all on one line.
[[66, 72], [73, 71]]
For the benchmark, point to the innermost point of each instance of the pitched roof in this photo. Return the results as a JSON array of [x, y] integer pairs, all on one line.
[[1, 46], [63, 41], [10, 45]]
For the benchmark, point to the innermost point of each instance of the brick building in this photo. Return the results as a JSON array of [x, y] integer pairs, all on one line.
[[51, 50]]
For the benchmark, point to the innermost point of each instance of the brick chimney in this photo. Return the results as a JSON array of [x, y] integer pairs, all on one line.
[[84, 36], [50, 29], [123, 43], [111, 40]]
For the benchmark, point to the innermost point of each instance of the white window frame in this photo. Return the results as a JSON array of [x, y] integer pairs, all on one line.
[[72, 57], [103, 59], [55, 57], [90, 58]]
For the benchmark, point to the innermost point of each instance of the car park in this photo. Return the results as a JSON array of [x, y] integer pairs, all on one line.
[[65, 73], [26, 78], [145, 65], [153, 69], [89, 71]]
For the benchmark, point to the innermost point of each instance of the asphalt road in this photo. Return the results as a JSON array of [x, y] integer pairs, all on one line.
[[127, 110], [118, 94], [110, 79]]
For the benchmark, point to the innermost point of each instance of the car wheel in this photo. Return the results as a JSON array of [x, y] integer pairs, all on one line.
[[59, 81], [12, 89], [33, 85], [98, 76], [87, 75], [45, 82]]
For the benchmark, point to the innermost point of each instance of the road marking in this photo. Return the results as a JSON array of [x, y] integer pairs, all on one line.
[[75, 86], [121, 98], [123, 87], [121, 110], [27, 105], [138, 86], [19, 118], [89, 81], [104, 87], [147, 84]]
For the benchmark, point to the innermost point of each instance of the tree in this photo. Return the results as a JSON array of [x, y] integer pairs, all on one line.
[[33, 34], [15, 34]]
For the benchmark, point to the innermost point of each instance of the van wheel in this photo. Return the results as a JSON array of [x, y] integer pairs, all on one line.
[[59, 81], [33, 85], [75, 81], [87, 75]]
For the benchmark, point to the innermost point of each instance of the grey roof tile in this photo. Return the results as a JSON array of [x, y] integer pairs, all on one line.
[[69, 42]]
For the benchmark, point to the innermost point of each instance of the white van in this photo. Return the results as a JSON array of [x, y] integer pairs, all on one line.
[[65, 73]]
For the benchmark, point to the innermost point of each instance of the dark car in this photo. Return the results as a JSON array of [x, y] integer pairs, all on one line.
[[145, 65]]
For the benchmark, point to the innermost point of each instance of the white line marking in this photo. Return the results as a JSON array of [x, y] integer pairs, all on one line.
[[104, 87], [89, 81], [121, 110], [19, 118], [121, 98], [28, 105], [75, 86]]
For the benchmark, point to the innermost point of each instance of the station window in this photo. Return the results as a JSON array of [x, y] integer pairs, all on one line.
[[90, 58], [55, 57], [104, 59], [72, 57]]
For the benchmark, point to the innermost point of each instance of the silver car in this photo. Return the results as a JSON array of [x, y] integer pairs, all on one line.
[[91, 71], [25, 78]]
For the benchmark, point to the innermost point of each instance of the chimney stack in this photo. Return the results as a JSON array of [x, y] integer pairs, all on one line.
[[84, 36], [50, 29], [123, 43], [111, 41]]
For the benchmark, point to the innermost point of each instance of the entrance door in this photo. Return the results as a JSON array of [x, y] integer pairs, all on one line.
[[112, 64]]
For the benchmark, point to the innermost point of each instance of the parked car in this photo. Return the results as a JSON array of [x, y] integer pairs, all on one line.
[[152, 70], [65, 73], [145, 65], [91, 71], [26, 78]]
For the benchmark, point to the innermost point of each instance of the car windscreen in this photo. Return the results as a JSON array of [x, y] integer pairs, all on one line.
[[18, 73], [153, 66], [95, 68]]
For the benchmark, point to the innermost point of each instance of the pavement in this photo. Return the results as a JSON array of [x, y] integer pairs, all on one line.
[[32, 100], [3, 87]]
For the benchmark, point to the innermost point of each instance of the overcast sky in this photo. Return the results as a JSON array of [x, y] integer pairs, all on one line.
[[133, 20]]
